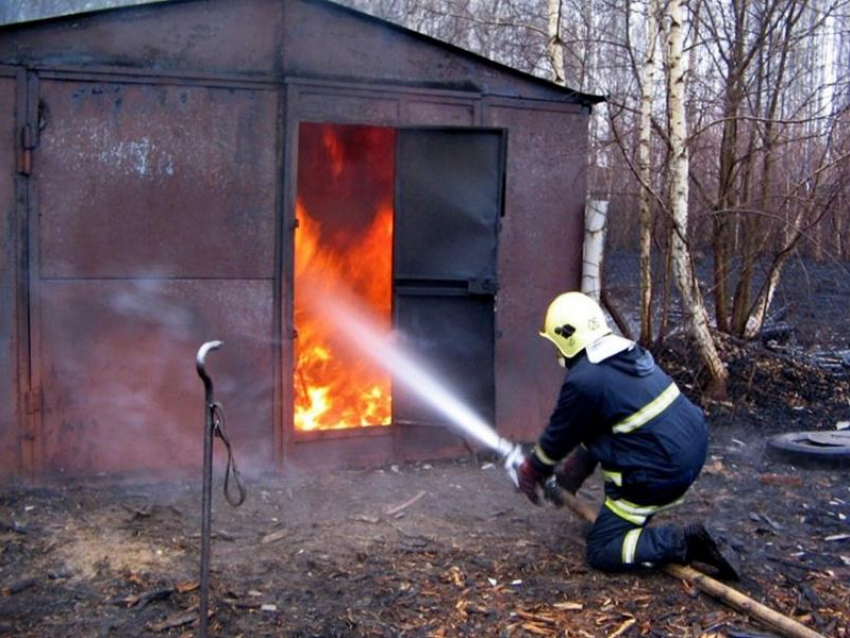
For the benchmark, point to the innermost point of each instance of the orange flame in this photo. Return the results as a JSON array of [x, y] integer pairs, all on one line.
[[334, 386]]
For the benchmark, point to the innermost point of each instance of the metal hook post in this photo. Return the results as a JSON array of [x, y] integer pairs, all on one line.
[[206, 509]]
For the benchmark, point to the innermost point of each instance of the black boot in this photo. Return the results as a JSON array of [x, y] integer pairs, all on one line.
[[703, 547]]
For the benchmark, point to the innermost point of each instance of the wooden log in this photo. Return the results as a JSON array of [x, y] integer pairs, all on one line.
[[783, 624]]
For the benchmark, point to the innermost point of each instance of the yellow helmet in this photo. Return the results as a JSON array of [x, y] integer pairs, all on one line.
[[574, 321]]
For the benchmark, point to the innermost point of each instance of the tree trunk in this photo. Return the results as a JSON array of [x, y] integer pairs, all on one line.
[[729, 186], [667, 283], [748, 318], [645, 168], [723, 213], [724, 219], [595, 223], [692, 303], [556, 44], [759, 313]]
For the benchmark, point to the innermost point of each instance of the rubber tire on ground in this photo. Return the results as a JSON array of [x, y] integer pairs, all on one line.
[[828, 450]]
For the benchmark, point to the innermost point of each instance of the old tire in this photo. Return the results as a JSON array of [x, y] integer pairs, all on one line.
[[812, 449]]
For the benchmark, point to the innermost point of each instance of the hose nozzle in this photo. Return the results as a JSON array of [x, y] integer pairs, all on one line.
[[512, 456]]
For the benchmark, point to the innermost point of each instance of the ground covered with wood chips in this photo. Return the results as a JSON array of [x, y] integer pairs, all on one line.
[[444, 548]]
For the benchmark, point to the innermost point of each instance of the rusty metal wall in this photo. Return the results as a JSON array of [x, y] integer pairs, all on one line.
[[147, 180], [156, 232], [539, 253], [9, 420], [120, 390]]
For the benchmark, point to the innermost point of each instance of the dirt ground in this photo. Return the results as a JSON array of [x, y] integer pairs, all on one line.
[[434, 549], [443, 548]]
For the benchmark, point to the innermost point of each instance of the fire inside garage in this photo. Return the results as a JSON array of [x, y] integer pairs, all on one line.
[[202, 169], [348, 170]]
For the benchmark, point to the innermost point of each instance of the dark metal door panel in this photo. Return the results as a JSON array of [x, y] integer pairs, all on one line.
[[9, 421], [453, 339], [539, 253], [448, 208], [449, 199]]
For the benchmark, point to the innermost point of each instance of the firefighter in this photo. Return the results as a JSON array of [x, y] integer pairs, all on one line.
[[619, 410]]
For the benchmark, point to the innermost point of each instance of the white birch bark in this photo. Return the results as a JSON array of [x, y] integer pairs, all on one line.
[[645, 172], [692, 303], [755, 322], [556, 44], [595, 226]]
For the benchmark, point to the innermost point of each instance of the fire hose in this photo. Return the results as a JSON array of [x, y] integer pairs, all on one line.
[[214, 422]]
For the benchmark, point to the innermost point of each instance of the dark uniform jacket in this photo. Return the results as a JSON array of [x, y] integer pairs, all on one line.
[[649, 439]]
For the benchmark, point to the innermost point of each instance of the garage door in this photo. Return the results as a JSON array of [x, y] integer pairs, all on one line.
[[155, 233]]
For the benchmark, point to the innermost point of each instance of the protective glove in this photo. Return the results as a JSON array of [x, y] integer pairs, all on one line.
[[575, 469], [530, 480]]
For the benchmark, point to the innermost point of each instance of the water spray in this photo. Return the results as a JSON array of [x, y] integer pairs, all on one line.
[[414, 376]]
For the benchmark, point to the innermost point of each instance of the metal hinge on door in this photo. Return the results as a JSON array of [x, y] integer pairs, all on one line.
[[25, 149], [482, 286]]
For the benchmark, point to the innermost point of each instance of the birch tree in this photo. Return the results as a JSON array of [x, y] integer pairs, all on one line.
[[645, 172], [556, 44], [692, 304]]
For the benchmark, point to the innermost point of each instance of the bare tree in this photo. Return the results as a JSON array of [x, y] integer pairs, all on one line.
[[692, 303], [645, 171], [556, 44], [768, 123]]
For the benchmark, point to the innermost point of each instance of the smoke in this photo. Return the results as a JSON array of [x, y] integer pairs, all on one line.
[[121, 395]]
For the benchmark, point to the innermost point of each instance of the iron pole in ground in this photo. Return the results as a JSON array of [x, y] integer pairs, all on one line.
[[206, 499]]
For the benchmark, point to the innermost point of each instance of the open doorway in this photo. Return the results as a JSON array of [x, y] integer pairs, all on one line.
[[405, 222], [343, 245]]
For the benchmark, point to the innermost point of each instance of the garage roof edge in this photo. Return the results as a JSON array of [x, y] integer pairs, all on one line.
[[570, 95]]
